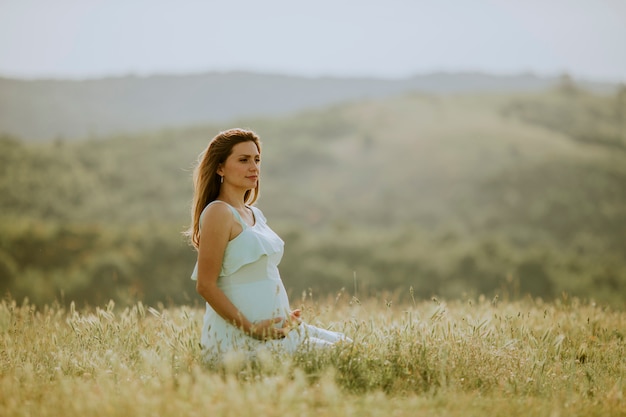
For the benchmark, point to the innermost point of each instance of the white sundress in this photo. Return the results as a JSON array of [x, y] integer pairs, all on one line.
[[250, 279]]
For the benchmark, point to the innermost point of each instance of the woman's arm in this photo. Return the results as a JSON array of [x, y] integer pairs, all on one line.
[[217, 224]]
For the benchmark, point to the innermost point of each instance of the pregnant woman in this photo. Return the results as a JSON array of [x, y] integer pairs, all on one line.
[[238, 256]]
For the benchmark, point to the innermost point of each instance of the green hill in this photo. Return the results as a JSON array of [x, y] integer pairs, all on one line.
[[41, 110], [447, 195]]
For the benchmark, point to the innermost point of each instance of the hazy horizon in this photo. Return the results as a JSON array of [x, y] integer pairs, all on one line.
[[87, 39]]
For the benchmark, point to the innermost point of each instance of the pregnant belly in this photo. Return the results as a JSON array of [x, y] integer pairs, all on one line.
[[259, 300]]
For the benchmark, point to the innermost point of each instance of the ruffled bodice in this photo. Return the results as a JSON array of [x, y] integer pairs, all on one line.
[[250, 245]]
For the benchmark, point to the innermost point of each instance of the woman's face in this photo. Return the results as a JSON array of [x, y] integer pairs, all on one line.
[[242, 167]]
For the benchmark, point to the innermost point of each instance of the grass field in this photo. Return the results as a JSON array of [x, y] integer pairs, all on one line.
[[429, 358]]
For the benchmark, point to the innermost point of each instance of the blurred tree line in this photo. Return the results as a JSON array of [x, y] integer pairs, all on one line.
[[419, 195]]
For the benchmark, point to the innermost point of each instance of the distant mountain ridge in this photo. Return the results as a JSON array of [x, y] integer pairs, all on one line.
[[41, 110]]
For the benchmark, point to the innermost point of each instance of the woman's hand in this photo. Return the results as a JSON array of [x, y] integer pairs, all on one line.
[[266, 329], [294, 319]]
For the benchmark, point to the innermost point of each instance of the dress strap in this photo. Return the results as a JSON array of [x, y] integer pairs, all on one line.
[[234, 210]]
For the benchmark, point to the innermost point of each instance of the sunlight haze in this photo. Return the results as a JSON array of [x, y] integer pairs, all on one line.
[[396, 38]]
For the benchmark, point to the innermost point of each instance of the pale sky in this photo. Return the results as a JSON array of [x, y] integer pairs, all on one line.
[[386, 38]]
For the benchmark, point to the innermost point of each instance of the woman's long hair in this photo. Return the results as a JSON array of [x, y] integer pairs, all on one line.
[[207, 182]]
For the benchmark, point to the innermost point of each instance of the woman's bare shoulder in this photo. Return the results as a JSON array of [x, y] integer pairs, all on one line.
[[217, 213]]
